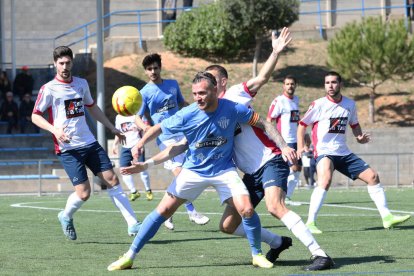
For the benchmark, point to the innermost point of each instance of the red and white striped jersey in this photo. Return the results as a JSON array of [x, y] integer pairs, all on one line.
[[330, 120], [65, 102], [252, 147], [285, 111]]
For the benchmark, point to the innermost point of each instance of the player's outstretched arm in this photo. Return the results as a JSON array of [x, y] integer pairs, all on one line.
[[278, 45], [151, 133], [98, 115], [58, 132], [168, 153], [300, 134], [361, 137]]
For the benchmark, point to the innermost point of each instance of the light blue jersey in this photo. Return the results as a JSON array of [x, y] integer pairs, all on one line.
[[210, 135], [161, 101]]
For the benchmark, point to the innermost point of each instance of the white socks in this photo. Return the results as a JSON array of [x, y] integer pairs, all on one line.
[[377, 195], [146, 180], [316, 202], [292, 182], [120, 200], [295, 224], [272, 239], [129, 182], [72, 205]]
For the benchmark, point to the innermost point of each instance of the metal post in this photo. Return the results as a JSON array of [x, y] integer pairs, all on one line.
[[13, 37], [363, 7], [86, 38], [320, 19], [139, 29], [100, 83], [3, 37], [159, 17], [397, 171]]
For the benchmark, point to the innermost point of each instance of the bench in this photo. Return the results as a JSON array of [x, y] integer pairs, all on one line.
[[24, 163], [24, 149]]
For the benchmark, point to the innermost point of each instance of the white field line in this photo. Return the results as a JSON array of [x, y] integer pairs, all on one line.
[[33, 205]]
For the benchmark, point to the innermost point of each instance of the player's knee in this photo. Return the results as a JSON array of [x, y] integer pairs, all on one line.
[[247, 212], [227, 228], [84, 195], [277, 211]]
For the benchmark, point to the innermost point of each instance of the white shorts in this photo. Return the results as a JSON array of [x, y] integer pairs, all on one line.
[[176, 161], [189, 185]]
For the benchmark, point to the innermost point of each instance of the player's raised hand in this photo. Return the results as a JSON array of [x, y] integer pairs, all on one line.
[[363, 138], [279, 43]]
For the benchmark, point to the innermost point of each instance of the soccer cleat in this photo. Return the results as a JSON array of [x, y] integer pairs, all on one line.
[[320, 263], [123, 263], [149, 195], [134, 196], [133, 230], [274, 253], [312, 228], [198, 218], [169, 223], [392, 220], [260, 261], [67, 226]]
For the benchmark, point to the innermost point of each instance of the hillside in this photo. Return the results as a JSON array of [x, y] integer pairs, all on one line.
[[304, 59]]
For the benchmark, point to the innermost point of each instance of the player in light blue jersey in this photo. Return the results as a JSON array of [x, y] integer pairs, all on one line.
[[162, 98], [208, 126]]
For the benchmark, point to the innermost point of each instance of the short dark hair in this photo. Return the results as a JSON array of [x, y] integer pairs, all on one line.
[[62, 51], [290, 77], [204, 75], [336, 74], [219, 68], [150, 59]]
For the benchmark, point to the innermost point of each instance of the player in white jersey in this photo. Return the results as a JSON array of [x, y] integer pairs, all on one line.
[[208, 125], [329, 117], [64, 99], [284, 111], [127, 125]]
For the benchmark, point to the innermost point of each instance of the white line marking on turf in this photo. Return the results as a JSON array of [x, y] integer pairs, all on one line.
[[31, 205]]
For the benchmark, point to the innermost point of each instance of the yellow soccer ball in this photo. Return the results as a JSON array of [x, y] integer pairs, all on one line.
[[127, 100]]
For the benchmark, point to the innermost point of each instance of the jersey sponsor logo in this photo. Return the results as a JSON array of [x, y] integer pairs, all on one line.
[[74, 108], [211, 142], [223, 122], [338, 125], [168, 106], [128, 126], [294, 116]]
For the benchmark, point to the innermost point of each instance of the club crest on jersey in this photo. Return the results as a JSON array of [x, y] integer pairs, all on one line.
[[338, 125], [223, 122], [200, 157], [211, 142], [74, 108]]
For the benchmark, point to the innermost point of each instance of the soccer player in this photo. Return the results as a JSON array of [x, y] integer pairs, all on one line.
[[65, 98], [208, 126], [162, 98], [284, 110], [330, 116], [262, 161], [127, 125]]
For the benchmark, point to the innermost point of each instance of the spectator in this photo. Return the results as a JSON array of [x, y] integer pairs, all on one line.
[[187, 4], [9, 112], [5, 85], [410, 9], [23, 83], [170, 9], [25, 113]]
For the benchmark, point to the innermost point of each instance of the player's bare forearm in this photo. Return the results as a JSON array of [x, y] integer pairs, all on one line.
[[301, 139], [152, 133], [98, 115], [272, 132], [171, 151], [140, 123]]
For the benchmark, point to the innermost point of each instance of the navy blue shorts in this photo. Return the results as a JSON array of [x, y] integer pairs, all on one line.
[[295, 146], [274, 173], [125, 157], [349, 165], [75, 162]]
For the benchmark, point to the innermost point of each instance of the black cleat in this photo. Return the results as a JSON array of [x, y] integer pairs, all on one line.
[[320, 263], [274, 253]]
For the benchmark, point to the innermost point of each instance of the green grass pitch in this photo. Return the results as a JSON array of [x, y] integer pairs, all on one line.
[[33, 243]]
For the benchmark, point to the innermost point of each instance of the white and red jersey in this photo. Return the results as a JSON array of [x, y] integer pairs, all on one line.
[[252, 147], [65, 103], [285, 111], [132, 132], [330, 120]]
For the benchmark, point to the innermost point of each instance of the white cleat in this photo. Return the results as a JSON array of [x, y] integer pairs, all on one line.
[[198, 218], [169, 224]]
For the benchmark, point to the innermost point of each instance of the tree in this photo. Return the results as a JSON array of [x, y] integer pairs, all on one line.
[[227, 27], [371, 52], [258, 18]]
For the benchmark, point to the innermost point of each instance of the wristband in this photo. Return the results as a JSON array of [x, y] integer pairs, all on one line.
[[150, 162]]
